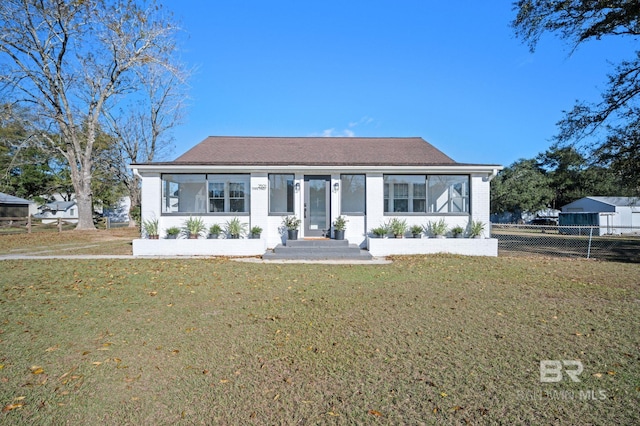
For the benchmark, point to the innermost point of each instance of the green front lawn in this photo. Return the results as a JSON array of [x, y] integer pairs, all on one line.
[[437, 339]]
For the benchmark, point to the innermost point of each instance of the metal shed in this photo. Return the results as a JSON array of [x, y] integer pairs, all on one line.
[[613, 215], [11, 206]]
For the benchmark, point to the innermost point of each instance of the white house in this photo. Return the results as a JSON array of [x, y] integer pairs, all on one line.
[[65, 210], [614, 215], [262, 179]]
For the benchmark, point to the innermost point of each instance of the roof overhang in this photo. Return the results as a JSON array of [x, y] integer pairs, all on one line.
[[486, 169]]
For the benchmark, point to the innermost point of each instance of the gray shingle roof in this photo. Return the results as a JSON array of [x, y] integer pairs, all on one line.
[[60, 205], [10, 199]]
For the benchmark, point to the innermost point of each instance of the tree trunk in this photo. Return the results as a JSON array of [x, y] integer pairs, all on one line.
[[81, 180], [134, 196], [85, 210]]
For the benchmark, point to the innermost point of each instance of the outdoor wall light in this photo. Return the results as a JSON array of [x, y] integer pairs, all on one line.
[[336, 187], [297, 186]]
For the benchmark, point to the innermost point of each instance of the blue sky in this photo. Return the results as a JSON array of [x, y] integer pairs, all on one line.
[[452, 73]]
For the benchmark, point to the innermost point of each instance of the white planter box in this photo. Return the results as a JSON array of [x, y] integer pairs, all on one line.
[[465, 246], [199, 247]]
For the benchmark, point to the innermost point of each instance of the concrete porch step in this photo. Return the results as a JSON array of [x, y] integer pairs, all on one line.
[[316, 243], [317, 250]]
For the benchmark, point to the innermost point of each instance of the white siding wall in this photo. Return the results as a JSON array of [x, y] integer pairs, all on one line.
[[259, 203], [151, 199], [375, 201], [479, 188], [358, 226], [480, 201]]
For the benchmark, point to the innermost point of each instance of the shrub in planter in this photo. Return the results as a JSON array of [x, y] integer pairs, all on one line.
[[398, 227], [173, 232], [150, 228], [339, 226], [457, 231], [475, 229], [235, 229], [214, 231], [292, 223], [438, 229], [380, 231], [255, 232], [416, 231], [193, 227]]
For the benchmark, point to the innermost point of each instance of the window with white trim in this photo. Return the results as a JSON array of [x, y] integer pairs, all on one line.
[[229, 193], [448, 193], [404, 193], [200, 193], [184, 193], [352, 198], [281, 194], [440, 194]]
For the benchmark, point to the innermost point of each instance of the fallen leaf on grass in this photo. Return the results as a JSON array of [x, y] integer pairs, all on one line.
[[456, 408], [132, 379], [51, 349], [1, 366], [35, 369], [331, 413], [375, 413], [611, 373], [442, 394], [96, 363], [10, 407], [153, 293], [598, 375]]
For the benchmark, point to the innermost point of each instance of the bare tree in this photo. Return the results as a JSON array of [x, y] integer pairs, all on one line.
[[609, 128], [71, 61], [142, 128]]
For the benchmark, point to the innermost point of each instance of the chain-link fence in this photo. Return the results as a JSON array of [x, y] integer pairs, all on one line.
[[567, 241]]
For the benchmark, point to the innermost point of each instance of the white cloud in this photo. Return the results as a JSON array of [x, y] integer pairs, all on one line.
[[332, 133], [348, 132], [362, 122]]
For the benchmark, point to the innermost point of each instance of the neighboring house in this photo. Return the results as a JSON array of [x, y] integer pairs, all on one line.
[[614, 215], [367, 180], [65, 210], [11, 206]]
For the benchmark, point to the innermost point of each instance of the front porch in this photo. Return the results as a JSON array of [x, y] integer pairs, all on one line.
[[315, 249]]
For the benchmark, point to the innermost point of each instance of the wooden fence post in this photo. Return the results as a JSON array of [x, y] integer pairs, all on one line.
[[29, 224], [59, 224]]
